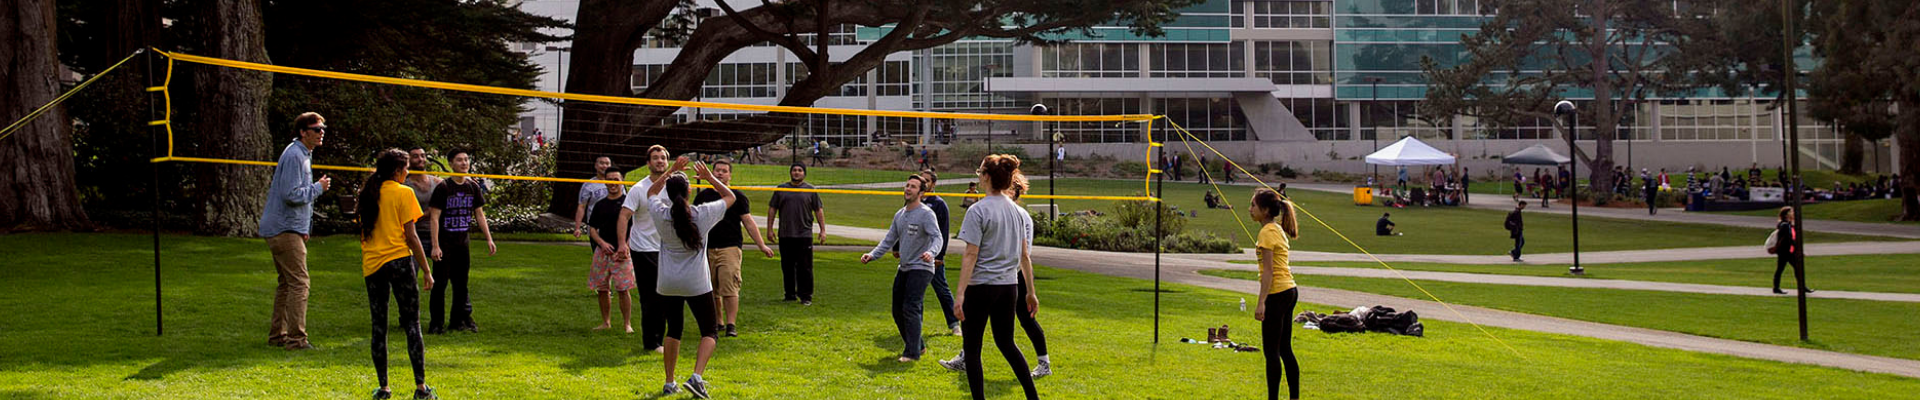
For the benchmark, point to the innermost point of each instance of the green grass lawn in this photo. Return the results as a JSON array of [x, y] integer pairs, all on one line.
[[1892, 273], [1853, 326], [1875, 210], [1433, 230], [79, 325]]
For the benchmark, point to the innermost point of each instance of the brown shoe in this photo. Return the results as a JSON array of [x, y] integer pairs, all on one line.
[[277, 342], [299, 345]]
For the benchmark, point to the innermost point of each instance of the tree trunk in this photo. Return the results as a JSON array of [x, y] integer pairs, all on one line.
[[1605, 120], [36, 161], [604, 39], [231, 119], [1854, 154]]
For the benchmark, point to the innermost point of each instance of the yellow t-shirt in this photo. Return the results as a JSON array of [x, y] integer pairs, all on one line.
[[389, 239], [1273, 241]]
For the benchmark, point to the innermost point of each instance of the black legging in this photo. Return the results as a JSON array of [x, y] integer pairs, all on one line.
[[653, 311], [1276, 333], [397, 277], [1799, 270], [703, 316], [1027, 322], [992, 303], [451, 271]]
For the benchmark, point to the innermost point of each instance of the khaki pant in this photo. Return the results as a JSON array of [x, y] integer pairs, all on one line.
[[289, 321], [725, 265]]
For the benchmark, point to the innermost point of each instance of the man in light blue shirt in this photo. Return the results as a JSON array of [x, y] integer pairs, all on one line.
[[919, 238], [286, 222]]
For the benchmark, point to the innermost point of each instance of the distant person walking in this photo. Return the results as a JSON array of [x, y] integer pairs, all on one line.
[[286, 223], [1516, 229], [1789, 249]]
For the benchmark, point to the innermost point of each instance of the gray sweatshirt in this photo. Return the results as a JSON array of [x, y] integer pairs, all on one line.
[[916, 231]]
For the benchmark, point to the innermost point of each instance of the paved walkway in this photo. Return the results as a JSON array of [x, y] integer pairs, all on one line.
[[1506, 202], [1186, 271]]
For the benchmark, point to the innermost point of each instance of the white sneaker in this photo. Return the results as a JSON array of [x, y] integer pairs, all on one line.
[[1042, 371], [957, 364], [670, 388], [956, 330]]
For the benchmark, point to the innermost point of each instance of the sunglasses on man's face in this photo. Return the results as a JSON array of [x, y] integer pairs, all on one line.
[[318, 128]]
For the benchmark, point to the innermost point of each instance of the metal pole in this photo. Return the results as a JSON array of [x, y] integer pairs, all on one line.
[[1159, 208], [1573, 124], [1376, 130], [1793, 137], [159, 328]]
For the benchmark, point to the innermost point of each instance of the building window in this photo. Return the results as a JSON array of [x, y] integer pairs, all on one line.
[[1284, 14], [1095, 132], [894, 78], [960, 71], [1197, 60], [1294, 62], [739, 80], [1090, 60], [1450, 7], [1208, 118]]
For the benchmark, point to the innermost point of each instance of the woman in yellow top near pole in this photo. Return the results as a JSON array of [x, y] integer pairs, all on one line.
[[389, 252], [1277, 229]]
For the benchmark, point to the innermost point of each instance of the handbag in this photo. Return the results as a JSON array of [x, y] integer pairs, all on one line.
[[1773, 242]]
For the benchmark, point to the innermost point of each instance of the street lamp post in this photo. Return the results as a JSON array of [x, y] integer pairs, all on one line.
[[560, 86], [1052, 166], [1375, 80], [1565, 108]]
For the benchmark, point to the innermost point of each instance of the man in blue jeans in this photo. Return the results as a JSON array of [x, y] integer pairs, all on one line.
[[285, 223], [940, 288], [915, 233]]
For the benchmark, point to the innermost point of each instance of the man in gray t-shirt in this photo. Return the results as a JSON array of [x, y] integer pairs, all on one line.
[[801, 211], [916, 231]]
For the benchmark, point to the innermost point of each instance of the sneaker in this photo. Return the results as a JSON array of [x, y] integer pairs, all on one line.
[[425, 394], [436, 330], [1778, 291], [1042, 371], [696, 386], [956, 329], [806, 302], [469, 326], [957, 364], [277, 342], [382, 394], [733, 331], [669, 389], [299, 345]]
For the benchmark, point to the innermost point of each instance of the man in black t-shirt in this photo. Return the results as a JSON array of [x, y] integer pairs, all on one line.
[[455, 209], [723, 248], [610, 273]]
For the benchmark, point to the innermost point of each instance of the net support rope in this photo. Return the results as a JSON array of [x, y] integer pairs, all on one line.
[[1336, 232], [172, 57]]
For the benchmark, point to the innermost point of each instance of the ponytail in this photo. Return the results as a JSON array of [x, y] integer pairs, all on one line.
[[683, 226], [386, 164]]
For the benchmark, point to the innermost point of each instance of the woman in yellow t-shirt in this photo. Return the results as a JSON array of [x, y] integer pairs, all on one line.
[[1277, 229], [389, 251]]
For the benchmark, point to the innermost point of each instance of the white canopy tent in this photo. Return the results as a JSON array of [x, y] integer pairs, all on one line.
[[1409, 151]]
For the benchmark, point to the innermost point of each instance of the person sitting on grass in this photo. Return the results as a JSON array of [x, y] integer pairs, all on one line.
[[1214, 201], [389, 252], [972, 188], [1384, 227]]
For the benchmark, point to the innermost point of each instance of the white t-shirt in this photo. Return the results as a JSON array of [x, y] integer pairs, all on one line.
[[683, 271], [640, 233]]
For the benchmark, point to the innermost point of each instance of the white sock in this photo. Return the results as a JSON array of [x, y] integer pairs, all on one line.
[[698, 378], [1043, 360]]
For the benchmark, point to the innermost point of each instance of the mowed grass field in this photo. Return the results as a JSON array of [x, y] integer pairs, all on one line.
[[1891, 273], [77, 323], [1429, 230], [1879, 328]]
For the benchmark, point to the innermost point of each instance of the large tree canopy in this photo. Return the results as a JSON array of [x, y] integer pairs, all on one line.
[[1616, 51], [1869, 81], [610, 31]]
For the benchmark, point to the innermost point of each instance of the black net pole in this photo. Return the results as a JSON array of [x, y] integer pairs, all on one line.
[[1793, 139], [1159, 208], [159, 328]]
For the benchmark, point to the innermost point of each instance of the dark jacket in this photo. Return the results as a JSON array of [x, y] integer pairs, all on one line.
[[1514, 224], [1789, 241]]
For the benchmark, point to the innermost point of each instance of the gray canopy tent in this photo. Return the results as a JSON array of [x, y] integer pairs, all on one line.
[[1540, 154]]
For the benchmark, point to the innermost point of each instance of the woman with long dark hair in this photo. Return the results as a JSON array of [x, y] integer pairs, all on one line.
[[389, 252], [1789, 249], [684, 277], [997, 262], [1278, 293]]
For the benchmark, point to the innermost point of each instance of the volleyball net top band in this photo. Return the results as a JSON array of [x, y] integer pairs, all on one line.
[[173, 57]]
